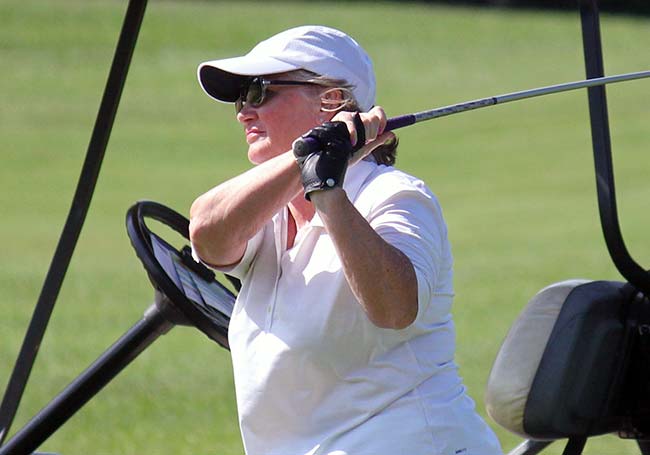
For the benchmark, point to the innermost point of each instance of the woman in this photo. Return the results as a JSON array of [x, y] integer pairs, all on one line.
[[341, 338]]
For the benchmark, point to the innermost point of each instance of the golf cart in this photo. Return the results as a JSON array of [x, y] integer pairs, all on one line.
[[575, 364]]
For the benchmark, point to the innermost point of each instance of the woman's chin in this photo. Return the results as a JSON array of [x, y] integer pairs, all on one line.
[[261, 151], [257, 155]]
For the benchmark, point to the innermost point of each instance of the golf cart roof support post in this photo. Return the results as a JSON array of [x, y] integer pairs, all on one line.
[[156, 322], [602, 151], [76, 216]]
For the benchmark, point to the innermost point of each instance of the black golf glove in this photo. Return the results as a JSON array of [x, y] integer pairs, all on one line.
[[324, 161]]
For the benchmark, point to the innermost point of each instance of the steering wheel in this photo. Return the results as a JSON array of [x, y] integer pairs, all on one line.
[[191, 287]]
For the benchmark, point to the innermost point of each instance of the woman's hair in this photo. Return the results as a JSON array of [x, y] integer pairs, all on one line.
[[385, 153]]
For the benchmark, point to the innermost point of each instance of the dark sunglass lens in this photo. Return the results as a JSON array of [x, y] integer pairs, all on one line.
[[255, 94]]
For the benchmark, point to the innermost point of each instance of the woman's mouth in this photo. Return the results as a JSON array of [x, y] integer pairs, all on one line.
[[252, 134]]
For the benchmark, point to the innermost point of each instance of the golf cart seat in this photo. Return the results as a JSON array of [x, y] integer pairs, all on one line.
[[572, 364]]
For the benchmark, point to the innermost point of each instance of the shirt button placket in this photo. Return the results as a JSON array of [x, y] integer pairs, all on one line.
[[270, 309], [277, 232]]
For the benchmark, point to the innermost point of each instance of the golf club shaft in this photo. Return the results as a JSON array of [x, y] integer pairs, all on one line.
[[303, 146], [409, 119]]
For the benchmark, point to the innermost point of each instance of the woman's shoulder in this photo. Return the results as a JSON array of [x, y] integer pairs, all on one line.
[[387, 182]]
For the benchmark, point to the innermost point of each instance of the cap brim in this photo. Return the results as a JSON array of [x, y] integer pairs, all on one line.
[[222, 79]]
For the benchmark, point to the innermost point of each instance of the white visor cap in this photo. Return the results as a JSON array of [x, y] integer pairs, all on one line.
[[321, 50]]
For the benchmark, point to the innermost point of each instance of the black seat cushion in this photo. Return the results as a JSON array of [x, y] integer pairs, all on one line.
[[559, 368]]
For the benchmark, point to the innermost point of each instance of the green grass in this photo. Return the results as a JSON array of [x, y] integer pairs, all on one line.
[[516, 183]]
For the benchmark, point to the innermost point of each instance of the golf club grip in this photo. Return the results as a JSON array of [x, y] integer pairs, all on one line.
[[305, 145]]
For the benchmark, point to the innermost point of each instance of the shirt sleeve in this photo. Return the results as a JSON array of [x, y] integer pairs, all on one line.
[[239, 269], [412, 222]]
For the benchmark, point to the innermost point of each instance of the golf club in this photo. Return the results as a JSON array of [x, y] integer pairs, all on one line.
[[303, 146]]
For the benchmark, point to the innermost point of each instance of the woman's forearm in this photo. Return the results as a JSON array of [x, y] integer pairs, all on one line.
[[381, 277], [226, 217]]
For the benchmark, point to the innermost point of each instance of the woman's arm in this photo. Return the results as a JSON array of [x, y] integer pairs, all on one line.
[[381, 277], [225, 218]]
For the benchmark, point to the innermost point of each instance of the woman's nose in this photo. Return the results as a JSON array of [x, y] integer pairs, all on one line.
[[246, 113]]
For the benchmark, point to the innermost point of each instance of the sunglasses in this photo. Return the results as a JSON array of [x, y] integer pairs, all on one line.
[[253, 92]]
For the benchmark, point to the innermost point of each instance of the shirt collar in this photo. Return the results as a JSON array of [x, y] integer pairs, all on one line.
[[355, 177]]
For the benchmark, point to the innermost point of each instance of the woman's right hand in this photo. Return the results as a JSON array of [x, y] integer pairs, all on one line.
[[374, 122]]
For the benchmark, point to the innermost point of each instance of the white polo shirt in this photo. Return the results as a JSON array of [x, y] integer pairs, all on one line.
[[314, 376]]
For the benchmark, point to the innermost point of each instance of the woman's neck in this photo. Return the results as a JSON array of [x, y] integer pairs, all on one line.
[[301, 211]]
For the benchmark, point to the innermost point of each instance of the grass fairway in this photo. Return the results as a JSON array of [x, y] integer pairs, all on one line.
[[515, 181]]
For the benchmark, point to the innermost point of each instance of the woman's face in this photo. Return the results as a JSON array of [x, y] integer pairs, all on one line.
[[286, 113]]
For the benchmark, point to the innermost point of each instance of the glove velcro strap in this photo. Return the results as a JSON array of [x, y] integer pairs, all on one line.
[[361, 132]]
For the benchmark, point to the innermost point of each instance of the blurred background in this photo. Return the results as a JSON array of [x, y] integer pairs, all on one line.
[[516, 181], [617, 6]]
